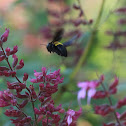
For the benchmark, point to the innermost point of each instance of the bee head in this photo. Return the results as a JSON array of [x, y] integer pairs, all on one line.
[[49, 47]]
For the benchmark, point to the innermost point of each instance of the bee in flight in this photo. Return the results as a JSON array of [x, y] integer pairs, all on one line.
[[56, 46]]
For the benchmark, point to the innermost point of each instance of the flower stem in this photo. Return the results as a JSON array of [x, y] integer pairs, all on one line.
[[23, 114], [90, 43], [110, 102], [33, 106]]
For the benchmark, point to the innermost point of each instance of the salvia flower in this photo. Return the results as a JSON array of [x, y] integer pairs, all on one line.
[[70, 113], [88, 87], [72, 116]]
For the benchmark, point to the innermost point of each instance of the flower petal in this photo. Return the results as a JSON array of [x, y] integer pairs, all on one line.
[[70, 112], [83, 84], [69, 120], [93, 84], [81, 94], [91, 93]]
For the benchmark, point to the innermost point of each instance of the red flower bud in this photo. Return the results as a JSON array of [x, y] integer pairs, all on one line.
[[121, 10], [7, 73], [122, 21], [2, 68], [121, 103], [61, 111], [5, 35], [13, 85], [15, 49], [15, 61], [123, 116], [114, 84], [37, 111], [13, 73], [13, 113], [40, 117], [76, 7], [100, 94], [77, 22], [2, 58], [14, 102], [22, 85], [7, 50], [1, 53], [90, 21], [21, 64], [103, 110], [22, 96], [22, 105], [1, 73], [25, 77], [34, 95], [41, 86], [41, 98], [81, 13], [113, 91]]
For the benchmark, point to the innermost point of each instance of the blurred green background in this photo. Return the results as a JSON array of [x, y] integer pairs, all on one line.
[[26, 18]]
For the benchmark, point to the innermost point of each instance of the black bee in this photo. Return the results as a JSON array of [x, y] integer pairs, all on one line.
[[56, 46]]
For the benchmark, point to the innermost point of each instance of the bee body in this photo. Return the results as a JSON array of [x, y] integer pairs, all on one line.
[[57, 47]]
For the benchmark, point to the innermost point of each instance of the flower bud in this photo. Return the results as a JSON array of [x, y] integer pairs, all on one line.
[[76, 7], [2, 58], [2, 68], [15, 49], [23, 104], [15, 61], [114, 84], [21, 64], [25, 77], [4, 37], [7, 50]]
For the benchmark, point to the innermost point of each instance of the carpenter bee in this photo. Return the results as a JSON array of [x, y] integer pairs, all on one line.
[[56, 46]]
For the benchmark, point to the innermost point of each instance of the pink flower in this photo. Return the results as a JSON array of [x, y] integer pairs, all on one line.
[[37, 74], [87, 87], [72, 116]]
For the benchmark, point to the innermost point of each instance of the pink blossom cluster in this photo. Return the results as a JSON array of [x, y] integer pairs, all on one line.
[[19, 94], [89, 88]]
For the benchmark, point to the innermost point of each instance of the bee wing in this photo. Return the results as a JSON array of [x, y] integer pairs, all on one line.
[[58, 35], [70, 42]]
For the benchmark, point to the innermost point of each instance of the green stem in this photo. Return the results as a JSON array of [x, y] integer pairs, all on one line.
[[33, 106], [90, 42]]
